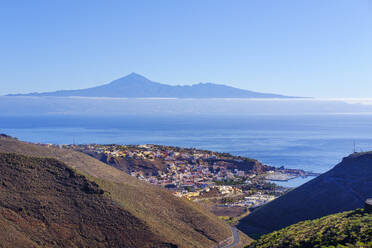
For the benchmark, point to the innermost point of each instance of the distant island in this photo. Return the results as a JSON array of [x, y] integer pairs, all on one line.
[[137, 86]]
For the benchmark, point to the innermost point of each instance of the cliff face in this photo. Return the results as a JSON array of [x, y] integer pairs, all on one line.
[[129, 164], [345, 187]]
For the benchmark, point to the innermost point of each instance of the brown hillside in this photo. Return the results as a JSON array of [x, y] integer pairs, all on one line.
[[174, 220], [45, 203]]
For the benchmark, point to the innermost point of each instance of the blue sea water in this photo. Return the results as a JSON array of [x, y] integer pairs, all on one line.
[[310, 142]]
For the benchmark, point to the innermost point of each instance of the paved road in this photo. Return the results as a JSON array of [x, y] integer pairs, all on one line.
[[236, 238]]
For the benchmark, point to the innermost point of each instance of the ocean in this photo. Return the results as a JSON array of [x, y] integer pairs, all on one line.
[[311, 142]]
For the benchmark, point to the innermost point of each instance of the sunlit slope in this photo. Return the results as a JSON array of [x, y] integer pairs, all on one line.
[[173, 219], [347, 229], [44, 203]]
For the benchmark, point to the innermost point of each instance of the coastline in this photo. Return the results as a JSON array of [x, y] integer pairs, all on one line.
[[294, 182], [290, 179]]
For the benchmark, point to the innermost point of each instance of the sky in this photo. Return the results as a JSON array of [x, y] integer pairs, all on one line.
[[318, 48]]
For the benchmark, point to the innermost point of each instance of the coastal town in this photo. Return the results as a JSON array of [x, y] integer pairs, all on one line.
[[197, 174]]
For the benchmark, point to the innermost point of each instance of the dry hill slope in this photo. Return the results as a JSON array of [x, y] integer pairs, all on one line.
[[343, 188], [44, 203], [174, 220]]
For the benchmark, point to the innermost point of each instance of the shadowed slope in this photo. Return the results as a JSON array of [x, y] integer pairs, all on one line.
[[45, 203], [173, 219], [343, 188]]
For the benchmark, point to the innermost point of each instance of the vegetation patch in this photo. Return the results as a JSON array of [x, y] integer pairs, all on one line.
[[346, 229]]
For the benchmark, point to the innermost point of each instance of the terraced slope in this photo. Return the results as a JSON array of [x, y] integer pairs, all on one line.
[[172, 219]]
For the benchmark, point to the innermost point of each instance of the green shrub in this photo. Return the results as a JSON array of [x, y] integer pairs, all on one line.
[[347, 229]]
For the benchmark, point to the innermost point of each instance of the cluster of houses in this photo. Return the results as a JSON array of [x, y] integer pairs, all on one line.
[[188, 170], [223, 190], [254, 200], [190, 173], [198, 175], [150, 152]]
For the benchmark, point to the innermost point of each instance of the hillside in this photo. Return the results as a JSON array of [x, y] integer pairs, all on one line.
[[45, 203], [135, 85], [343, 188], [135, 160], [171, 219], [129, 164], [347, 229]]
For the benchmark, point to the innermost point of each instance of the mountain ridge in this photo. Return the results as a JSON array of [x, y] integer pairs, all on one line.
[[343, 188], [135, 85]]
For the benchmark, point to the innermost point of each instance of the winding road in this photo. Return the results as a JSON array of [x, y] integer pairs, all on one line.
[[235, 239]]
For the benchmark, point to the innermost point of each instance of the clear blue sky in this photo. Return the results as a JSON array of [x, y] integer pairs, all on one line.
[[320, 48]]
